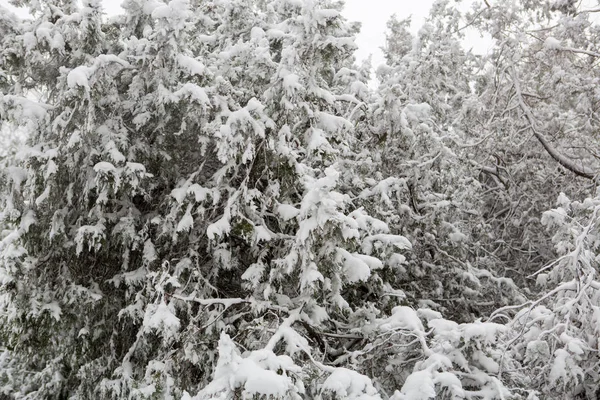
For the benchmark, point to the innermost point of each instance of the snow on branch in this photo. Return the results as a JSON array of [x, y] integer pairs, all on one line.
[[563, 160]]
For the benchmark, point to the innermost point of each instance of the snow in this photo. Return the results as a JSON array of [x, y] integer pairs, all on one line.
[[191, 65], [310, 275], [287, 211], [43, 197], [294, 342], [51, 153], [104, 167], [109, 58], [161, 11], [93, 234], [318, 142], [450, 381], [44, 30], [28, 109], [208, 39], [275, 33], [257, 33], [47, 32], [457, 236], [130, 277], [318, 314], [113, 151], [29, 41], [486, 331], [418, 386], [332, 123], [428, 315], [200, 193], [27, 220], [260, 381], [443, 326], [377, 241], [179, 194], [322, 94], [254, 105], [219, 228], [57, 42], [260, 233], [367, 223], [306, 227], [187, 221], [291, 82], [150, 5], [402, 318], [192, 91], [537, 350], [359, 89], [436, 361], [136, 168], [17, 174], [552, 44], [323, 15], [51, 169], [350, 385], [372, 262], [559, 366], [488, 363], [145, 391], [396, 260], [417, 112], [355, 269], [54, 309], [141, 118], [160, 317], [149, 253], [254, 273], [573, 345], [79, 76], [256, 374]]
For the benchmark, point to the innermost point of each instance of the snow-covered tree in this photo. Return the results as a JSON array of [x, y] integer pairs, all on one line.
[[421, 121], [184, 195], [536, 109], [554, 335], [213, 204]]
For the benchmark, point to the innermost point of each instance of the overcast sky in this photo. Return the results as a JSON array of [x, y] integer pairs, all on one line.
[[374, 15]]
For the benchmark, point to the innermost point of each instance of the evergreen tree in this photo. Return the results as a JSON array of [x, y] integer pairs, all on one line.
[[159, 204]]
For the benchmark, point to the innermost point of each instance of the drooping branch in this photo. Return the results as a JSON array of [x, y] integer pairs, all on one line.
[[579, 170]]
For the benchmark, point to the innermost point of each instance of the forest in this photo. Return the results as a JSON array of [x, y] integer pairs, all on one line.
[[214, 200]]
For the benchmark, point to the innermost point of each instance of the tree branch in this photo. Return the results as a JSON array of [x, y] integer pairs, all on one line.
[[563, 160]]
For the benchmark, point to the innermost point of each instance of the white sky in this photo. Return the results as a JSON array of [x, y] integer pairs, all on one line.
[[374, 15]]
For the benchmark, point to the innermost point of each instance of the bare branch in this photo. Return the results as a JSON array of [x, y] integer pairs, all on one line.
[[574, 50], [590, 10]]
